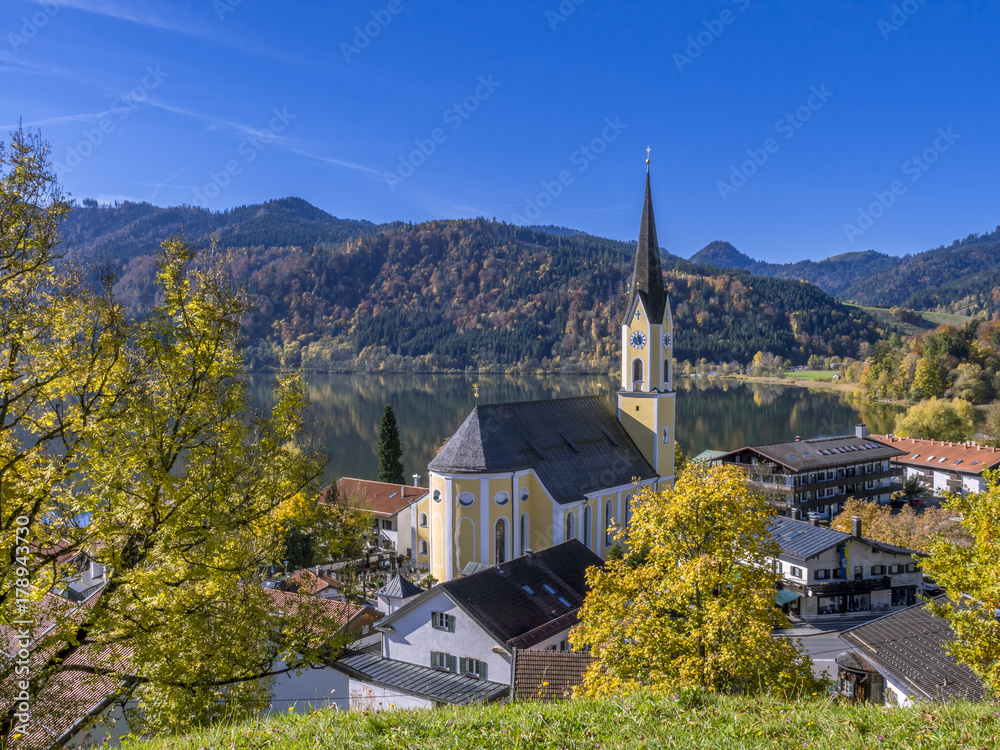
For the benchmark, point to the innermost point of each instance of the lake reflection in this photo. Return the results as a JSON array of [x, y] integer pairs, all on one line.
[[719, 414]]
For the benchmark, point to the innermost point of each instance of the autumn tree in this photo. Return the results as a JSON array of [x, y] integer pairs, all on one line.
[[969, 572], [390, 450], [903, 528], [937, 419], [692, 602], [134, 441]]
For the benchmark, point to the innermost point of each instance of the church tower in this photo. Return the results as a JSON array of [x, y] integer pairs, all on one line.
[[646, 398]]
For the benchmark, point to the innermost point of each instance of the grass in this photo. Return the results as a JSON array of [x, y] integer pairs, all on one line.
[[695, 721], [931, 320], [823, 375]]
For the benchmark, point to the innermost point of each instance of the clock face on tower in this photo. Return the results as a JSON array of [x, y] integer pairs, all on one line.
[[638, 339], [666, 340]]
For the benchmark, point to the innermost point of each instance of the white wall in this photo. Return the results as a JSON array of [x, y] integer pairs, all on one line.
[[413, 638], [368, 697], [312, 689]]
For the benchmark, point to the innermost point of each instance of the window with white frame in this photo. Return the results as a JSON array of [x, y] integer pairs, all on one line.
[[446, 662], [423, 520], [443, 621], [795, 572], [472, 668]]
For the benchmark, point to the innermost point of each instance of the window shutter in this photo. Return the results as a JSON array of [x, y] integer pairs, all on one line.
[[434, 661], [451, 623], [482, 670], [462, 662], [452, 663]]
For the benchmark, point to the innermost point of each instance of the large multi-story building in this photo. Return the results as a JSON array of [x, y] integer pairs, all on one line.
[[522, 476], [818, 476], [943, 467]]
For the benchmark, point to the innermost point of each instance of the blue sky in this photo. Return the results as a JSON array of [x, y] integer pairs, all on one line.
[[791, 129]]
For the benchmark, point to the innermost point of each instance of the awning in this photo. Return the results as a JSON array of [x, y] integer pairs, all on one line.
[[784, 596]]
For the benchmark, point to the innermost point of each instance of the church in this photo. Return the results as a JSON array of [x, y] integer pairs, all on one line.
[[525, 476]]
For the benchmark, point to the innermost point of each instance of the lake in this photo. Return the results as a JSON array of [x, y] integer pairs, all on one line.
[[720, 414]]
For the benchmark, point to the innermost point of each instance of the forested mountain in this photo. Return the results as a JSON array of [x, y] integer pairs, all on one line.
[[963, 278], [128, 230], [456, 294]]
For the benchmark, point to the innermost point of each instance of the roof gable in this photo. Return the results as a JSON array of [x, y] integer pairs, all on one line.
[[528, 593], [909, 648], [381, 498], [575, 445], [802, 540]]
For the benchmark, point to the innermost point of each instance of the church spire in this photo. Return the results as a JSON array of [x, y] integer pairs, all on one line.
[[647, 281]]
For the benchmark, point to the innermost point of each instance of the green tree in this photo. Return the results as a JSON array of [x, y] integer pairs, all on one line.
[[937, 419], [680, 459], [692, 603], [969, 572], [390, 451]]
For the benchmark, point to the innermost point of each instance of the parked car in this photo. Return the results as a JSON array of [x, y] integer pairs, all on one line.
[[916, 502]]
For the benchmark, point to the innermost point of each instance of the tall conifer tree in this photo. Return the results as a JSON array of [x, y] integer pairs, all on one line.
[[390, 451]]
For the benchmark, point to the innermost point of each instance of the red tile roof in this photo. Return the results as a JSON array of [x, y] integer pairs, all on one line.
[[309, 582], [964, 458], [381, 498]]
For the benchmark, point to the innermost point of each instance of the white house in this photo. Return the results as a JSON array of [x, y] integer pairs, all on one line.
[[943, 466], [827, 573], [397, 592], [456, 643], [902, 658], [392, 506]]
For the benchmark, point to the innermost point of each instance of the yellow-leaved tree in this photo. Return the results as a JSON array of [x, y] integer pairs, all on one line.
[[691, 604], [969, 572], [133, 441]]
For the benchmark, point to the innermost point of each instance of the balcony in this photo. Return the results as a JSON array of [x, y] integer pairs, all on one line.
[[834, 587]]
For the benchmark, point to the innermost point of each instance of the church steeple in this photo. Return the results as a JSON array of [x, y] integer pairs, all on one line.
[[647, 281]]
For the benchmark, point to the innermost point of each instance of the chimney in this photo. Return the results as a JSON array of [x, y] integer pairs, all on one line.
[[416, 480], [796, 514], [861, 431], [856, 527], [814, 522]]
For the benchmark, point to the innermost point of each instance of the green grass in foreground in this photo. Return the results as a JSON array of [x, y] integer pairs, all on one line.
[[636, 721]]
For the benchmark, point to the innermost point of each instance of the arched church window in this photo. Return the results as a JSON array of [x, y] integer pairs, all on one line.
[[586, 526], [437, 496], [608, 518], [666, 372], [500, 541], [628, 510], [422, 547], [423, 520], [524, 533], [636, 373], [570, 526]]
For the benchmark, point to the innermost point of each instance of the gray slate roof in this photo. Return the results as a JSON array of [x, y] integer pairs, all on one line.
[[647, 279], [908, 647], [821, 453], [399, 588], [576, 445], [802, 540], [518, 601], [413, 679]]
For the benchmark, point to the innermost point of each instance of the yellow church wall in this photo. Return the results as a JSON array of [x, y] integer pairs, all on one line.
[[638, 418], [466, 542], [423, 532]]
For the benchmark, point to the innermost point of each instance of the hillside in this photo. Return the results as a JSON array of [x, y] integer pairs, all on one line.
[[687, 720], [963, 278], [334, 294]]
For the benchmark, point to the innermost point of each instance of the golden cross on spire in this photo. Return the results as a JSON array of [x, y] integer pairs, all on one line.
[[648, 149]]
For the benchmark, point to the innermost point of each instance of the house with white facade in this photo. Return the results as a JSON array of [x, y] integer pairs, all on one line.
[[943, 466], [903, 658], [393, 508], [457, 642], [826, 574]]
